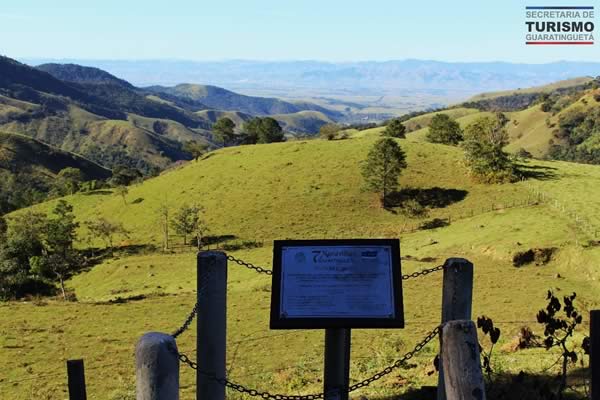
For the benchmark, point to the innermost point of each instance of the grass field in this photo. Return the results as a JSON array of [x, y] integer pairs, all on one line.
[[304, 190]]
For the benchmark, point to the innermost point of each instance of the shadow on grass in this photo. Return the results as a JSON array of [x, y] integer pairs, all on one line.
[[212, 240], [521, 386], [94, 256], [97, 193], [536, 172], [434, 197]]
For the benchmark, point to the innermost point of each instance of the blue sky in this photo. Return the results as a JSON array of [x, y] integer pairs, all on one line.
[[332, 30]]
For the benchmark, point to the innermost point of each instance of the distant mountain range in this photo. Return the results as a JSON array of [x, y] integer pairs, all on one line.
[[455, 80], [91, 112]]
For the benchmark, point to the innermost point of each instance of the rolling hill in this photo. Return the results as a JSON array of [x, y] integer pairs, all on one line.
[[94, 114], [106, 119], [80, 74], [552, 121], [29, 168], [218, 98], [18, 153]]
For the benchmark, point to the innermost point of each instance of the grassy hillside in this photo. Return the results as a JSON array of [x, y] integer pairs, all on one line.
[[202, 96], [304, 190], [90, 112], [108, 142], [564, 84], [303, 122], [18, 153], [80, 74], [531, 128]]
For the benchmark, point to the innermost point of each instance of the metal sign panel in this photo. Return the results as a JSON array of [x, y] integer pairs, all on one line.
[[321, 284]]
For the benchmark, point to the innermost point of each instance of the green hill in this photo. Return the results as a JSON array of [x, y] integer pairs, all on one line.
[[307, 189], [565, 84], [303, 122], [80, 74], [201, 96], [18, 152], [558, 122], [213, 115], [96, 115], [28, 170]]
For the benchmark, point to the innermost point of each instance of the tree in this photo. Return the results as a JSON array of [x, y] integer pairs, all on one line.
[[444, 129], [122, 191], [251, 129], [196, 149], [124, 176], [222, 130], [106, 231], [69, 180], [329, 131], [382, 167], [484, 141], [270, 131], [163, 212], [58, 259], [187, 221], [3, 229], [395, 128], [22, 242], [263, 130]]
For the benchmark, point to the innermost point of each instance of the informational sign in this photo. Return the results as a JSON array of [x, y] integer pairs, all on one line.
[[319, 284]]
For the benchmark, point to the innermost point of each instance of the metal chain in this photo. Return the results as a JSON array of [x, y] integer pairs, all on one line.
[[186, 324], [248, 265], [188, 321], [266, 271], [422, 272], [269, 396], [398, 363]]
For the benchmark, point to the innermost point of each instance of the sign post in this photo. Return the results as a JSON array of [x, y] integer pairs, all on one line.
[[337, 364], [337, 285]]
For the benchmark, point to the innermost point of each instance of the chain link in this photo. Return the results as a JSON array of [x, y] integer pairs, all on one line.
[[269, 396], [188, 321], [266, 271], [248, 265], [422, 272], [398, 363]]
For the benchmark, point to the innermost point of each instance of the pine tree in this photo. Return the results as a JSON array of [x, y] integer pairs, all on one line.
[[382, 167]]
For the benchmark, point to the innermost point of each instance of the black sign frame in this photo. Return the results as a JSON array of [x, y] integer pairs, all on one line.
[[277, 322]]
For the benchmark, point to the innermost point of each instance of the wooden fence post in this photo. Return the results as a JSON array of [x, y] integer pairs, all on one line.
[[212, 325], [157, 367], [463, 378], [76, 380], [457, 299], [595, 353]]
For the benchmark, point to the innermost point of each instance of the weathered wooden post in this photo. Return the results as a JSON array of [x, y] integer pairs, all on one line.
[[463, 378], [595, 353], [212, 325], [337, 363], [157, 367], [457, 299], [76, 380]]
